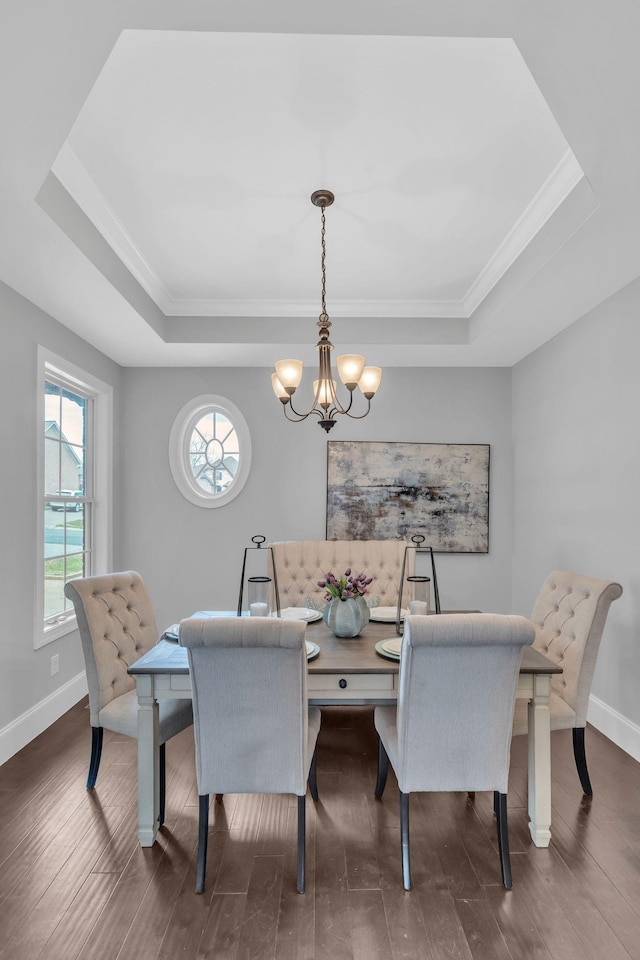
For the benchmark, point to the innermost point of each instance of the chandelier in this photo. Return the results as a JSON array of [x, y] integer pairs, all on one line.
[[351, 368]]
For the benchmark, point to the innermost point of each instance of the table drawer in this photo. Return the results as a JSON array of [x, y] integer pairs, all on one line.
[[178, 683], [343, 684]]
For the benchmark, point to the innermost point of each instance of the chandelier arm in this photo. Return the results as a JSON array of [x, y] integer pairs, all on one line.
[[301, 416], [339, 408], [353, 416]]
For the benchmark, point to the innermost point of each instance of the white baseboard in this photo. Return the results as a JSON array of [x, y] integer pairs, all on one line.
[[624, 733], [24, 729]]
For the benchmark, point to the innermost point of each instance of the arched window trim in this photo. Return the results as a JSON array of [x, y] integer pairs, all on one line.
[[179, 439]]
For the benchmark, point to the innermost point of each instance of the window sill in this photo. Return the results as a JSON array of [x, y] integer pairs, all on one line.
[[56, 631]]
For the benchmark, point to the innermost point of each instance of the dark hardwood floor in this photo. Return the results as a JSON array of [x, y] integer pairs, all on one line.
[[74, 882]]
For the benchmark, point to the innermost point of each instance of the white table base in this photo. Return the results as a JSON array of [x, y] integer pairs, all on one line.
[[366, 689]]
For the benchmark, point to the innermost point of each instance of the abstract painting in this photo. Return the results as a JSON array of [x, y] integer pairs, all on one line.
[[391, 491]]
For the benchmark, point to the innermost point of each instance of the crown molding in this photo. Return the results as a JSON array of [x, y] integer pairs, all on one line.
[[76, 179], [556, 188]]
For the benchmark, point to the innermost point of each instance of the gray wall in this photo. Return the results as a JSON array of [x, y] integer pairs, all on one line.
[[576, 410], [564, 466], [25, 674], [191, 557]]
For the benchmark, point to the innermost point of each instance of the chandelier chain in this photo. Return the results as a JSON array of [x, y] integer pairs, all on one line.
[[323, 263]]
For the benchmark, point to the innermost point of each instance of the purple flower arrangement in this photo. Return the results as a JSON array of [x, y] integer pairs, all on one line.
[[347, 587]]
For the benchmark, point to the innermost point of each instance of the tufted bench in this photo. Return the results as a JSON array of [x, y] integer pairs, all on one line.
[[300, 564]]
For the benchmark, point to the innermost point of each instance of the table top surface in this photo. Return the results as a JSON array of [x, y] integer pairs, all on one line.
[[355, 655]]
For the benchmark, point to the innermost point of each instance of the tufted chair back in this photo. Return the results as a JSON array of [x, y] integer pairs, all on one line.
[[569, 617], [117, 625], [301, 563]]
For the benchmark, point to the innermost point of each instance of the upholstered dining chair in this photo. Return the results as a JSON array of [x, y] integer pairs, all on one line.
[[254, 730], [117, 625], [451, 728], [569, 617]]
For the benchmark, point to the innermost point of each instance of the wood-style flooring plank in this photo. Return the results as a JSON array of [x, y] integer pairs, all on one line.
[[333, 926], [445, 933], [221, 934], [34, 877], [236, 864], [581, 910], [369, 931], [442, 829], [156, 908], [262, 907], [119, 914], [296, 920], [622, 916], [520, 933], [38, 922], [546, 905], [483, 934], [76, 926]]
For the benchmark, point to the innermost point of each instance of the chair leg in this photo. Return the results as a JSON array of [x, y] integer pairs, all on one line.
[[581, 760], [162, 775], [203, 837], [97, 733], [301, 843], [500, 806], [404, 840], [313, 779], [383, 770]]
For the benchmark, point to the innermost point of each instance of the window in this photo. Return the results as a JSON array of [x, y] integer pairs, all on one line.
[[210, 451], [73, 520]]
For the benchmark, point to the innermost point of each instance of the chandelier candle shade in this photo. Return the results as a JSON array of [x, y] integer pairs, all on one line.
[[351, 368]]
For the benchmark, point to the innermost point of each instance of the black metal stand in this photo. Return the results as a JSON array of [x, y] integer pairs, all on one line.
[[417, 541], [259, 541]]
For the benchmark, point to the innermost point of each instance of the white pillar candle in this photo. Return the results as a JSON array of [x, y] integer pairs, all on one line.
[[258, 609], [418, 608]]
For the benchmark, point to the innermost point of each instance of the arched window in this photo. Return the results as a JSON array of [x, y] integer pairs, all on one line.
[[210, 451]]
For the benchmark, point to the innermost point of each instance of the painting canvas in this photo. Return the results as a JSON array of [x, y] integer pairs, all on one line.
[[387, 491]]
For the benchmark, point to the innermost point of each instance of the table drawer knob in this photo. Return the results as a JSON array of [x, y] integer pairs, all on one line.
[[342, 684]]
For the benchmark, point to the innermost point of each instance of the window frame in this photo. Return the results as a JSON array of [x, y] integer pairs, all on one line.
[[97, 480], [180, 436]]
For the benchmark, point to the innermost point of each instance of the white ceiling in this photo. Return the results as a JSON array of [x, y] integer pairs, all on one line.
[[158, 167]]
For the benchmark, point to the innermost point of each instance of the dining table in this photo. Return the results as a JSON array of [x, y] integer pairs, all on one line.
[[340, 671]]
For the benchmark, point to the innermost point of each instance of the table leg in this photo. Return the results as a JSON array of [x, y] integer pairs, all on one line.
[[148, 761], [540, 761]]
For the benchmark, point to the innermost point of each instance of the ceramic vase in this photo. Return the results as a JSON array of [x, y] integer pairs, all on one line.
[[364, 610], [343, 617]]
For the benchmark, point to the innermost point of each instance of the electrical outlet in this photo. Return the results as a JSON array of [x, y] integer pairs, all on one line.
[[55, 664]]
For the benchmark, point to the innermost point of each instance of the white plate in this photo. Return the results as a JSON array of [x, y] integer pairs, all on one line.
[[393, 645], [386, 614], [299, 613], [312, 649]]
